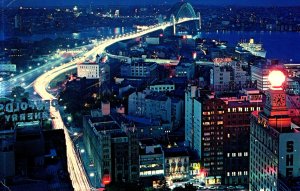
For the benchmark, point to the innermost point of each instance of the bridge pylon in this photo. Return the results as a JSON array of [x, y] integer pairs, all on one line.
[[173, 21], [200, 22]]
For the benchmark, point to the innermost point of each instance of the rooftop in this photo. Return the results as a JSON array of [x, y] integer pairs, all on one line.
[[158, 96], [102, 119], [176, 151], [143, 121], [107, 126]]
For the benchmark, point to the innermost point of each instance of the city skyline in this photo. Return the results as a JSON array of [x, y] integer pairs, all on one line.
[[149, 96], [35, 3]]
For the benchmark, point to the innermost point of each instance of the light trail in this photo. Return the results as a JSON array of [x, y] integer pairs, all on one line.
[[78, 175]]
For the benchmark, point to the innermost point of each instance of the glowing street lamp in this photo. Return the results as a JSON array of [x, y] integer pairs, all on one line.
[[92, 174], [276, 78]]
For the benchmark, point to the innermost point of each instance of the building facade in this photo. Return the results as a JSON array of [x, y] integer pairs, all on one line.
[[260, 72], [274, 145], [185, 69], [115, 152], [193, 120], [140, 70], [151, 159], [88, 70], [177, 164], [152, 105]]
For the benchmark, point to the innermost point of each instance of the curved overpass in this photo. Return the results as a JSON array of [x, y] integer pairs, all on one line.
[[77, 173]]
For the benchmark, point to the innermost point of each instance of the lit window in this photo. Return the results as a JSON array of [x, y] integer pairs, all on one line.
[[240, 109], [228, 135], [228, 154], [228, 110], [245, 172], [233, 174], [233, 154], [245, 154], [233, 109], [228, 173], [239, 173], [239, 154]]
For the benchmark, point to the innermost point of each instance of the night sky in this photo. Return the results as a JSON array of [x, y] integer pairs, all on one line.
[[146, 2]]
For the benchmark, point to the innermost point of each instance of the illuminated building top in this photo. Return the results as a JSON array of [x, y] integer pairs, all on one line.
[[276, 78]]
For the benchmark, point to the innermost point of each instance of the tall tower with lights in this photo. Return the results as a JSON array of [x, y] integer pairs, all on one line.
[[274, 142]]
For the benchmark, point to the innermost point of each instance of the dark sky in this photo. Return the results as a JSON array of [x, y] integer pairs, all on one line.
[[146, 2]]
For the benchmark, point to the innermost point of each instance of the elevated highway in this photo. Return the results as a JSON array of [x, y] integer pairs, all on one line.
[[79, 178]]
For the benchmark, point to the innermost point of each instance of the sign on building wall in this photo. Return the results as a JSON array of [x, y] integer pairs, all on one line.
[[22, 111]]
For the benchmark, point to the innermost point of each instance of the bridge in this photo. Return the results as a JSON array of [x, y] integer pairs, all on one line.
[[79, 178]]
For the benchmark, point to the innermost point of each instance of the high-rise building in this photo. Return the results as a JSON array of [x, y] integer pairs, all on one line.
[[212, 126], [113, 149], [218, 130], [274, 142], [260, 72], [236, 135], [193, 119]]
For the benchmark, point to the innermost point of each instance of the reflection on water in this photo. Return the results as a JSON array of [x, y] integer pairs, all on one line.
[[280, 45], [93, 32]]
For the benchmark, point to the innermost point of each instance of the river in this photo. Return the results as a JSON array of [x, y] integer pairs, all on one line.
[[284, 46]]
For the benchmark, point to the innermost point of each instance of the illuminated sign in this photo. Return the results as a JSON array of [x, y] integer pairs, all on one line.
[[25, 111]]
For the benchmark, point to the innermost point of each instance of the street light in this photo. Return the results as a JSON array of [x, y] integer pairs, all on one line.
[[92, 174]]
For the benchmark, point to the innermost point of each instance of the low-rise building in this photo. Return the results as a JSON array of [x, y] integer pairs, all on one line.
[[92, 70], [151, 158], [177, 163], [88, 70]]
